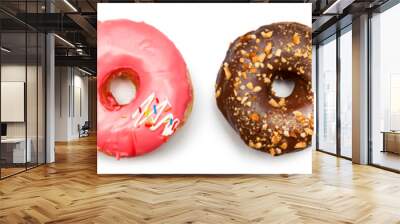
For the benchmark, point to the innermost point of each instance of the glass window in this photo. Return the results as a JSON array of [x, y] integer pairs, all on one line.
[[22, 91], [14, 153], [327, 96], [385, 89], [346, 93]]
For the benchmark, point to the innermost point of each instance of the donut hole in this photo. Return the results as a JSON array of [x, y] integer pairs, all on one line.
[[119, 89], [123, 90], [283, 87]]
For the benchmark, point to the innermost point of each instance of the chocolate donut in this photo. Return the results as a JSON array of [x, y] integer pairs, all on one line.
[[244, 91]]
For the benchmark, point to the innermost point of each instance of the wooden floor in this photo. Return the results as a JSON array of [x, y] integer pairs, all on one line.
[[5, 172], [386, 159], [70, 191]]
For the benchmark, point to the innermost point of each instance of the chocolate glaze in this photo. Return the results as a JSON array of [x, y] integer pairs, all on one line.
[[244, 93]]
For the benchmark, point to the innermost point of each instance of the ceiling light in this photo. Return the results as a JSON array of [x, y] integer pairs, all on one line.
[[5, 50], [84, 71], [337, 7], [70, 5], [64, 40]]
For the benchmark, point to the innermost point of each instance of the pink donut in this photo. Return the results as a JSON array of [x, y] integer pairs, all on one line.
[[163, 100]]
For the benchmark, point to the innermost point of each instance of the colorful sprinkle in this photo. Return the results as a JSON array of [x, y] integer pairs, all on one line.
[[149, 123], [165, 138], [174, 126], [149, 113]]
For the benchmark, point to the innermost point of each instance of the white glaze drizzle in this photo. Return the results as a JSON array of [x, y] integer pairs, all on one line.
[[145, 114]]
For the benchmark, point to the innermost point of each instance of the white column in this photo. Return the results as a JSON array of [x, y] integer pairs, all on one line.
[[50, 99], [50, 93], [360, 90]]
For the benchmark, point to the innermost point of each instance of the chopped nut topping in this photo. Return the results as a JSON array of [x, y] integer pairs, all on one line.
[[248, 103], [261, 57], [278, 52], [252, 36], [297, 113], [266, 34], [282, 102], [272, 151], [286, 133], [301, 70], [249, 85], [273, 103], [218, 92], [251, 144], [228, 74], [309, 131], [257, 89], [268, 48], [254, 59], [303, 135], [276, 139], [267, 80], [278, 151], [244, 99], [283, 146], [296, 38], [238, 44], [270, 66], [255, 117], [258, 145], [300, 145], [264, 127]]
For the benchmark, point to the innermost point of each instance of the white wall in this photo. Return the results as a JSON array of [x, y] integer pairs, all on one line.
[[62, 82], [12, 73], [70, 83], [33, 127]]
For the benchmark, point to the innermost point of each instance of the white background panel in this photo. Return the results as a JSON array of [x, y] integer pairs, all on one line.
[[206, 144]]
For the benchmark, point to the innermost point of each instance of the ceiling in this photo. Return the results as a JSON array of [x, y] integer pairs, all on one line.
[[74, 21]]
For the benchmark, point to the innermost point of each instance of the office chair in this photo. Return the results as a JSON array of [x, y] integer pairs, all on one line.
[[84, 130]]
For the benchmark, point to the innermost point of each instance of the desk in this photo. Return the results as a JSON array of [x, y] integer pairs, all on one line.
[[391, 141], [17, 152]]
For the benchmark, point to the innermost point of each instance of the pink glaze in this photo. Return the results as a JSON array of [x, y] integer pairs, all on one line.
[[129, 130]]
